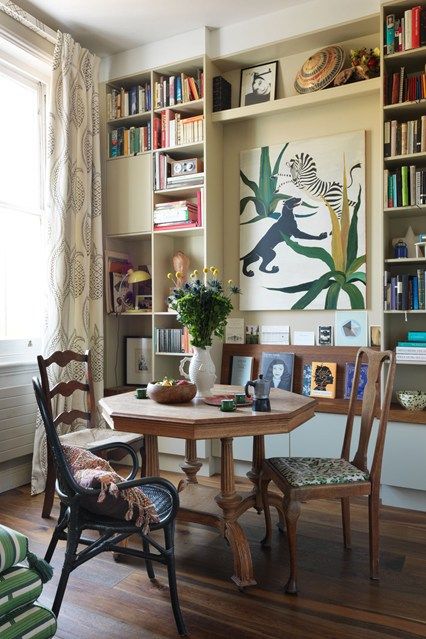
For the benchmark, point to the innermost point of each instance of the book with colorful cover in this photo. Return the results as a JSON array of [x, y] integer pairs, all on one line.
[[323, 381], [241, 370], [278, 369], [349, 378], [306, 379]]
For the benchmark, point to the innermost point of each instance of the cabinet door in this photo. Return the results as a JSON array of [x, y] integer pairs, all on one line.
[[128, 195]]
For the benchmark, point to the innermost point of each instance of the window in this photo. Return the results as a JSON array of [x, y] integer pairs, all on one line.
[[22, 178]]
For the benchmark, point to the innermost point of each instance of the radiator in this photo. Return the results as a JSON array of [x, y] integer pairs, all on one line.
[[17, 421]]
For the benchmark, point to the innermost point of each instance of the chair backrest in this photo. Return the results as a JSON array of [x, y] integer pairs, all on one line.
[[69, 364], [66, 481], [370, 408]]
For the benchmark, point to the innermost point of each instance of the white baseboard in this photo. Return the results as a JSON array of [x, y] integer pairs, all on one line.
[[15, 476], [403, 497]]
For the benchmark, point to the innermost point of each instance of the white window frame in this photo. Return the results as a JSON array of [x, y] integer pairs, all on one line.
[[30, 66]]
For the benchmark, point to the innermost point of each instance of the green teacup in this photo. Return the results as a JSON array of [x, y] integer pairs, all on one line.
[[140, 393], [240, 398], [227, 405]]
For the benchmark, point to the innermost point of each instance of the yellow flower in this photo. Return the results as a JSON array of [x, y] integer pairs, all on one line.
[[178, 274], [230, 282], [212, 269], [206, 269], [169, 276], [215, 272], [376, 51]]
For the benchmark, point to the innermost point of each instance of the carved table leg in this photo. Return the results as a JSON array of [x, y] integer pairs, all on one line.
[[191, 465], [150, 465], [254, 473], [229, 500]]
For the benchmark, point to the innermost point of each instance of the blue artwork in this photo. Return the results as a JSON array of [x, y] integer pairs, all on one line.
[[306, 380], [349, 376], [278, 369]]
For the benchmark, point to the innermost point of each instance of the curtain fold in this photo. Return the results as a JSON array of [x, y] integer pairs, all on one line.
[[74, 305]]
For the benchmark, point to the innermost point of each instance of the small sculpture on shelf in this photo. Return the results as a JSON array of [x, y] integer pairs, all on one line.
[[181, 266]]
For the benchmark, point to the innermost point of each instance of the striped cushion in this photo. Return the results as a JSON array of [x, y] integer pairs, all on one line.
[[19, 586], [13, 547], [31, 622]]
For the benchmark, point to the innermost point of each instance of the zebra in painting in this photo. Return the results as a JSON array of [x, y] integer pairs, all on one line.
[[303, 174]]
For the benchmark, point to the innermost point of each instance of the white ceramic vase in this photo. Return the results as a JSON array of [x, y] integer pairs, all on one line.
[[201, 371]]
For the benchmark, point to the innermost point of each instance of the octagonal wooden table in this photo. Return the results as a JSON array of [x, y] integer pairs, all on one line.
[[197, 420]]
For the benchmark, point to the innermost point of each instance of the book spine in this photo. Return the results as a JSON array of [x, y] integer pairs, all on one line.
[[390, 34], [416, 336]]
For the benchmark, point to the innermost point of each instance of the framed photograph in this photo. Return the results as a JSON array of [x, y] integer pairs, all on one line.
[[138, 360], [258, 84], [278, 369], [143, 303], [351, 328], [325, 335], [242, 370]]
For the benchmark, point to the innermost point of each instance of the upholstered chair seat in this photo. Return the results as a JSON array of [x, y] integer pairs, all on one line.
[[313, 471]]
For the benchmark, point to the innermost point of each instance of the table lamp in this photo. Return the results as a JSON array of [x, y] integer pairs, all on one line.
[[131, 277]]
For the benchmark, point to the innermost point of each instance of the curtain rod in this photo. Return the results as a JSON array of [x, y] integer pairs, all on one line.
[[18, 14]]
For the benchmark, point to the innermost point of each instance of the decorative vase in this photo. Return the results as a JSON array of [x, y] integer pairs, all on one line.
[[201, 371]]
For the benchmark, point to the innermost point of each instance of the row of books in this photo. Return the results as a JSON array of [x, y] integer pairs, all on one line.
[[406, 30], [404, 186], [172, 129], [413, 349], [401, 138], [131, 141], [124, 102], [319, 378], [405, 292], [172, 340], [177, 89], [404, 87], [179, 214]]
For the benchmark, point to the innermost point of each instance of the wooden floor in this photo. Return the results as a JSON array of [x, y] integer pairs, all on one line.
[[108, 600]]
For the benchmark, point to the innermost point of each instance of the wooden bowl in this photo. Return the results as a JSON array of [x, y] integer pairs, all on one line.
[[176, 394]]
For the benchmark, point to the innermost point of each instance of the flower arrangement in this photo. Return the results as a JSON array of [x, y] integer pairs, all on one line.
[[202, 305], [368, 59]]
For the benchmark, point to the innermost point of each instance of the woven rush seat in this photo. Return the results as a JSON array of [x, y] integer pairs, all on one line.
[[313, 471]]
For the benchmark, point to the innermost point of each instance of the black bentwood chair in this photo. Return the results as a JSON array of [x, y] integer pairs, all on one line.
[[74, 518]]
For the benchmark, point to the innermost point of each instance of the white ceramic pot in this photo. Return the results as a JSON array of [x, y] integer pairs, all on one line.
[[201, 372]]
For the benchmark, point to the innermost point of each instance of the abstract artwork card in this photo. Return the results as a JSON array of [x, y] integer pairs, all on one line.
[[241, 370], [278, 369], [304, 338], [252, 334], [325, 335], [306, 379], [351, 328], [349, 378], [323, 381], [234, 330]]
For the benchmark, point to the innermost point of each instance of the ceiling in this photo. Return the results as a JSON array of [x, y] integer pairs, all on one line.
[[111, 26]]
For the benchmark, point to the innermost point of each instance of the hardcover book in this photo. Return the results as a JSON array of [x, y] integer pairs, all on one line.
[[323, 381], [242, 370], [306, 379], [349, 378], [278, 369]]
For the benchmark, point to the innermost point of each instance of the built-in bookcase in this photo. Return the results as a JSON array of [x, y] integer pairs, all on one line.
[[404, 182]]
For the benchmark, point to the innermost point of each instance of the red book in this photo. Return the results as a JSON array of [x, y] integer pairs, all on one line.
[[157, 133], [415, 26]]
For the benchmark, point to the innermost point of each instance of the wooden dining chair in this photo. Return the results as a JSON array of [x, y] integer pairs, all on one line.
[[304, 478], [78, 365]]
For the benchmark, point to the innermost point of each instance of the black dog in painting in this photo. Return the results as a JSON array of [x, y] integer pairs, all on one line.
[[285, 225]]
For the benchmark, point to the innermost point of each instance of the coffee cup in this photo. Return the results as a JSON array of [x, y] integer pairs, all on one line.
[[227, 405], [240, 398], [140, 393]]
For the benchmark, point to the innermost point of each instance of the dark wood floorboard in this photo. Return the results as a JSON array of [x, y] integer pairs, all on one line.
[[337, 600]]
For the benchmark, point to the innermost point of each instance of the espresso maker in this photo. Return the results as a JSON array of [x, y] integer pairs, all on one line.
[[261, 388]]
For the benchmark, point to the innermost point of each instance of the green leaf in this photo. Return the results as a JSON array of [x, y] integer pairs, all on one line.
[[352, 249], [293, 289], [245, 200], [255, 219], [359, 276], [332, 296], [278, 160], [313, 252], [355, 296], [252, 185], [322, 283], [266, 187], [356, 264]]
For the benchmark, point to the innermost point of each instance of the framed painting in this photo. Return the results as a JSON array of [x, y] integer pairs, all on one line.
[[138, 360], [258, 84], [302, 225]]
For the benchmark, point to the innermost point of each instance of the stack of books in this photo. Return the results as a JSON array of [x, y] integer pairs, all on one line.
[[404, 186], [172, 129], [177, 89], [405, 30], [180, 214], [404, 292], [124, 142], [404, 87], [414, 349], [186, 179], [221, 94], [124, 102], [401, 138]]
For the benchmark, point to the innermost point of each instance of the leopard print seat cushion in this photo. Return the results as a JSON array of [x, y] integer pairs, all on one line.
[[313, 471]]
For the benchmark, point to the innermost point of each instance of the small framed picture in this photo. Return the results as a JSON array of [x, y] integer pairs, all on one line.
[[325, 335], [258, 84], [143, 303], [138, 360]]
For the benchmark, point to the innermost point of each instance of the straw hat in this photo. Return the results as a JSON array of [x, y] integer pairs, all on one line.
[[320, 69]]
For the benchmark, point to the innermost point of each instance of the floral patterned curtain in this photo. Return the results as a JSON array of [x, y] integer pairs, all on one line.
[[73, 223]]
